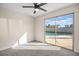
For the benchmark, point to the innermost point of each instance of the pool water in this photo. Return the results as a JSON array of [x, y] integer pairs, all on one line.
[[55, 34]]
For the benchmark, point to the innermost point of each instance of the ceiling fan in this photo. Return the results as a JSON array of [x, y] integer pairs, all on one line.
[[36, 7]]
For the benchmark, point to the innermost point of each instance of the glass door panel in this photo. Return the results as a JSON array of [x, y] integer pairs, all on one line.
[[64, 31], [50, 31]]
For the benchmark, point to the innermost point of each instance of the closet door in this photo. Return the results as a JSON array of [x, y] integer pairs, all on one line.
[[15, 29], [4, 39]]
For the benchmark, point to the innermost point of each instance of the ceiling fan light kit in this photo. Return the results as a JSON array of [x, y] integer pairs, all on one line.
[[36, 7]]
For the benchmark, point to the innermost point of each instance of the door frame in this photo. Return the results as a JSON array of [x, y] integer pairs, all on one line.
[[72, 30]]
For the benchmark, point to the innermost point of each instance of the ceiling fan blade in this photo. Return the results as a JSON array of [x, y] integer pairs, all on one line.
[[42, 4], [28, 6], [34, 12], [42, 9], [35, 3]]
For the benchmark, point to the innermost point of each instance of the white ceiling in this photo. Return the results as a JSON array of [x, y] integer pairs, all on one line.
[[17, 7]]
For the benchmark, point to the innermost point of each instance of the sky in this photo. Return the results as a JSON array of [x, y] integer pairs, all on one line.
[[60, 20]]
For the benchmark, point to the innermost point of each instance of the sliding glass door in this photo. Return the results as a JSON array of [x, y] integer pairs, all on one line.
[[50, 31], [58, 31]]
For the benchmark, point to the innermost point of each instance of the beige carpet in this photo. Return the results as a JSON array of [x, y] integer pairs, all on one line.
[[37, 46]]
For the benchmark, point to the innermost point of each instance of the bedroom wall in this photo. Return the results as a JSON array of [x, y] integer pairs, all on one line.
[[69, 9], [12, 26]]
